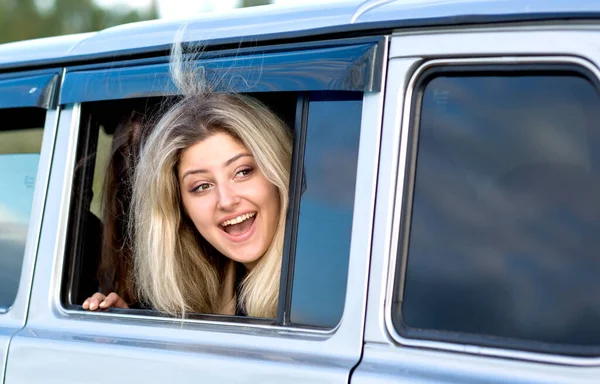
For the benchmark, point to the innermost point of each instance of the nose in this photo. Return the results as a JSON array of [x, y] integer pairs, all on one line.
[[228, 198]]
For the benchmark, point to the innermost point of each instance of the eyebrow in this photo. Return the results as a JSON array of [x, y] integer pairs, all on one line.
[[226, 164]]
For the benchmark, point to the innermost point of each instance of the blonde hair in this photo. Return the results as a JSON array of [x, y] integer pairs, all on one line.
[[176, 270]]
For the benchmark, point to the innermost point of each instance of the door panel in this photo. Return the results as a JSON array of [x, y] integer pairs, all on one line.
[[389, 357], [70, 346]]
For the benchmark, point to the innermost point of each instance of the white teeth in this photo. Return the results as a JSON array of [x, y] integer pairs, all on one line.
[[238, 219]]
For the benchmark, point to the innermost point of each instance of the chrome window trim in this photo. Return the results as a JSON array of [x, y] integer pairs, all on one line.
[[73, 113], [406, 124], [225, 325]]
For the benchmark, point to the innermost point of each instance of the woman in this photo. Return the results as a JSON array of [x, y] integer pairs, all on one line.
[[208, 205]]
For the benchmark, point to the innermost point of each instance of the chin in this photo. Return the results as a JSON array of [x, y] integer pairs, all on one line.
[[246, 256], [245, 259]]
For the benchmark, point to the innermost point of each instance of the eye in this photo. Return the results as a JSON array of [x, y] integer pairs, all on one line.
[[201, 187], [244, 172]]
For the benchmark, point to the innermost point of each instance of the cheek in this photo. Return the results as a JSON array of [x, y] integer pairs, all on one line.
[[199, 211], [266, 196], [272, 203]]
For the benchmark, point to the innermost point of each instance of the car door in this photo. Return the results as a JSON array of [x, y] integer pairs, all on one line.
[[326, 91], [484, 259], [29, 115]]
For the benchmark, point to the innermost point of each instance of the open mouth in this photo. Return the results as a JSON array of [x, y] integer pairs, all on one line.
[[239, 226]]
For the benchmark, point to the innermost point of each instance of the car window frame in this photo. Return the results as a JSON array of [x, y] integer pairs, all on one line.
[[369, 85], [404, 190]]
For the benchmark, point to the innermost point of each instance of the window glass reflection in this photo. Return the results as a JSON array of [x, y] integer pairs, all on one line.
[[325, 222], [506, 211], [17, 177]]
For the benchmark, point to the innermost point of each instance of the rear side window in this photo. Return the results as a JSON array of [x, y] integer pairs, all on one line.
[[501, 239], [19, 157]]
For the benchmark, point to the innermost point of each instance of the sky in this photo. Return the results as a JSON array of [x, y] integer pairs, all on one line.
[[181, 8]]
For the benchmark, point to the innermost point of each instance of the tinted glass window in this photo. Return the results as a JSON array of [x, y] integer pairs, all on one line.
[[504, 235], [325, 221], [19, 157]]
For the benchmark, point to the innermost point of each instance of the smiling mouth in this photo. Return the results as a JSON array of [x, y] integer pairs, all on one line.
[[240, 225]]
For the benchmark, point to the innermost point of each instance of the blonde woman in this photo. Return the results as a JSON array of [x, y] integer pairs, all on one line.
[[210, 194]]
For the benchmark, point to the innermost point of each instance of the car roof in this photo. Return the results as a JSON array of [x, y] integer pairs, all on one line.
[[273, 22]]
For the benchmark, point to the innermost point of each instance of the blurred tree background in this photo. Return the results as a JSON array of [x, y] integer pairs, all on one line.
[[252, 3], [29, 19]]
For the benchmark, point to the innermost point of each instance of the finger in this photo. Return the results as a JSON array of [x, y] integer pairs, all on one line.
[[110, 300], [121, 303], [95, 300], [96, 296], [113, 300]]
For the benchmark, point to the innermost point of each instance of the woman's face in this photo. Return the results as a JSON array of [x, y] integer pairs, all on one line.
[[230, 201]]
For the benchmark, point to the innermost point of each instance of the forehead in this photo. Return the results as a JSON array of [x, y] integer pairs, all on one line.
[[213, 151]]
